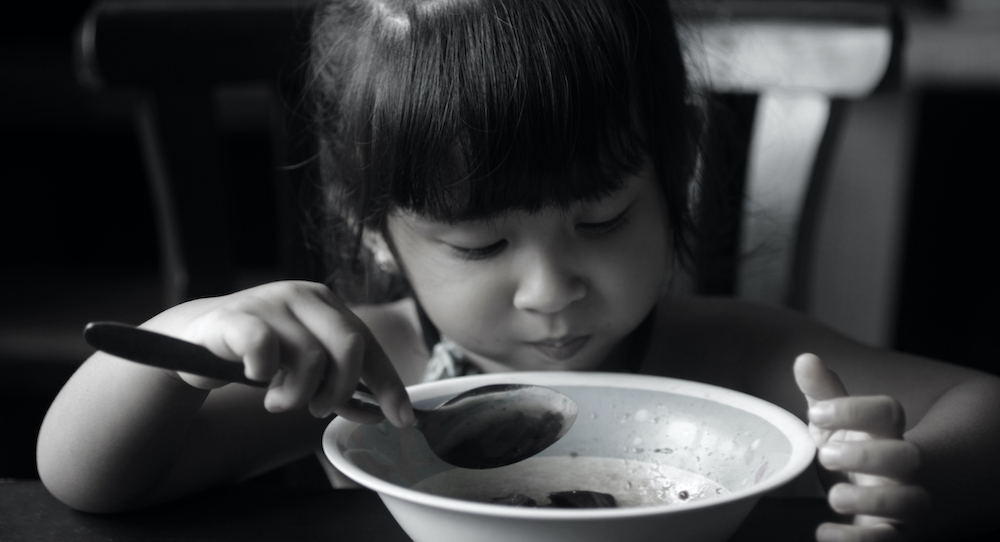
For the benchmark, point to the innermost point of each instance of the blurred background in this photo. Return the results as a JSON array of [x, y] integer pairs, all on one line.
[[906, 233]]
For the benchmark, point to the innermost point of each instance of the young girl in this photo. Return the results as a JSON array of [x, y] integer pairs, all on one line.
[[522, 168]]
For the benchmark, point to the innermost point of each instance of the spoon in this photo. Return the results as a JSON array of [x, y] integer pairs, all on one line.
[[486, 427]]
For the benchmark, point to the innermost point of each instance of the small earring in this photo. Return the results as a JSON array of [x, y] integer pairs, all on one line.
[[386, 262], [383, 257]]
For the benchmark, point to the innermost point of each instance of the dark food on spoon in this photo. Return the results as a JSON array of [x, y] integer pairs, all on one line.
[[476, 431]]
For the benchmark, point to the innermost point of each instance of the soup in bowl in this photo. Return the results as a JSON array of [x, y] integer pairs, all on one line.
[[656, 458]]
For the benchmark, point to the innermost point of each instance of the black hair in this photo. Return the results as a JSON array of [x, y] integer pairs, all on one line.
[[467, 109]]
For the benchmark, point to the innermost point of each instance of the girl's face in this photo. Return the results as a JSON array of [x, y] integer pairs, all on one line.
[[555, 289]]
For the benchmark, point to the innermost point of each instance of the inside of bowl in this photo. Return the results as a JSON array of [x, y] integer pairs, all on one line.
[[733, 448]]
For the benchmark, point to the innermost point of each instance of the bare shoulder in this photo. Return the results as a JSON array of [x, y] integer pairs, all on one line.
[[397, 328], [751, 347], [729, 343]]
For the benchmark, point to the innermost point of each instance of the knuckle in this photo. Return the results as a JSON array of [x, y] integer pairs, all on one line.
[[353, 344], [313, 359], [306, 288], [258, 334], [284, 289], [216, 318], [849, 410], [877, 501], [871, 501], [860, 457], [287, 288]]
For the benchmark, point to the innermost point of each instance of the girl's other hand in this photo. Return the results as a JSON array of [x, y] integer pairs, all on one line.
[[861, 440], [299, 337]]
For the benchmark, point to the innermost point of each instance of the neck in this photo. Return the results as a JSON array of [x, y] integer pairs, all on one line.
[[617, 360]]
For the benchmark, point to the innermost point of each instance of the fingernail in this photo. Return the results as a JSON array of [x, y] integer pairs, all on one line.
[[830, 455], [821, 414], [406, 415], [278, 379], [272, 402], [828, 532], [321, 412], [842, 499]]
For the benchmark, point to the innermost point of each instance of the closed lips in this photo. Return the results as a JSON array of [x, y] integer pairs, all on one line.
[[561, 348]]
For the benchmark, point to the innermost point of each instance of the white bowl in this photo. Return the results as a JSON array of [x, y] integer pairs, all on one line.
[[745, 444]]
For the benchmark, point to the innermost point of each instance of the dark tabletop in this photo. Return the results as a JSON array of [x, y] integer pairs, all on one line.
[[29, 513], [248, 513]]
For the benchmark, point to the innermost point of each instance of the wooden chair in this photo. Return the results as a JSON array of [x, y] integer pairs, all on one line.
[[780, 75], [188, 64]]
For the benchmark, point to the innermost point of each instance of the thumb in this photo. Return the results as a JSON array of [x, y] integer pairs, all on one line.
[[816, 381]]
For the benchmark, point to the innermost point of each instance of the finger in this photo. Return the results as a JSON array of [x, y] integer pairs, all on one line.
[[359, 415], [344, 370], [381, 377], [895, 459], [201, 382], [379, 374], [880, 416], [249, 338], [815, 380], [835, 532], [325, 311], [304, 363], [342, 335], [239, 336], [905, 503]]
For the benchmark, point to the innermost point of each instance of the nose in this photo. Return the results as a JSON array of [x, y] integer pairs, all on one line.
[[547, 285]]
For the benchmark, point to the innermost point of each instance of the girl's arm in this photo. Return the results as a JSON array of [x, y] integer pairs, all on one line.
[[895, 419], [122, 435]]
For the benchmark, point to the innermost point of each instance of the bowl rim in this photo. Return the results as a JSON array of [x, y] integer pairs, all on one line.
[[802, 454]]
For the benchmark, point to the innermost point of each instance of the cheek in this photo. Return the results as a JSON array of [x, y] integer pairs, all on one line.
[[462, 304], [639, 261], [635, 276]]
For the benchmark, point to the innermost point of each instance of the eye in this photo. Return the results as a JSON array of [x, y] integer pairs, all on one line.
[[608, 226], [481, 253]]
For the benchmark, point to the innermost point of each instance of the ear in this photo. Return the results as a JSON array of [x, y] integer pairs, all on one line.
[[375, 243]]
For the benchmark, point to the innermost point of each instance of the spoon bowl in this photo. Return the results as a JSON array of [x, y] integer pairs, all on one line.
[[490, 426], [497, 425]]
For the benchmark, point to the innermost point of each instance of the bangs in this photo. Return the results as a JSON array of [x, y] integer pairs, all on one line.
[[469, 109]]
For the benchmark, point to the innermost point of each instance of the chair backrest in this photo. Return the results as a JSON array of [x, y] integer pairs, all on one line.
[[778, 75], [775, 74], [177, 58]]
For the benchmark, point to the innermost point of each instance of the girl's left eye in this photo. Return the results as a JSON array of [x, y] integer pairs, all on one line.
[[607, 226], [480, 253]]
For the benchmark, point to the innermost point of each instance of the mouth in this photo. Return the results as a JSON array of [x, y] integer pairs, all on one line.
[[562, 348]]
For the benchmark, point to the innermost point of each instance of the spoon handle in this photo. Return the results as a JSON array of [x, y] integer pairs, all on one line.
[[158, 350]]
